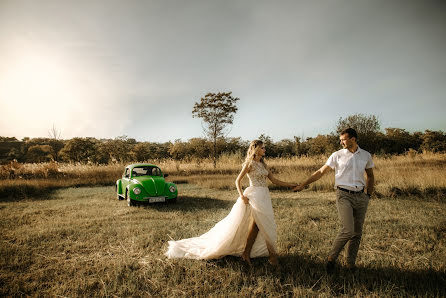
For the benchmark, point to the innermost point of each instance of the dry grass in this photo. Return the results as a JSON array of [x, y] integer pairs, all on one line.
[[84, 242], [418, 175]]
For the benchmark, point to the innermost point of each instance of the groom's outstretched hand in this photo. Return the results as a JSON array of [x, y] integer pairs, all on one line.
[[299, 187]]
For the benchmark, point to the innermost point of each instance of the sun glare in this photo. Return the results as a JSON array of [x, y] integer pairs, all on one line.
[[35, 87]]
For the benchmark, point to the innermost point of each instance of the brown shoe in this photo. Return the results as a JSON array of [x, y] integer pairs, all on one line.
[[351, 268], [330, 266]]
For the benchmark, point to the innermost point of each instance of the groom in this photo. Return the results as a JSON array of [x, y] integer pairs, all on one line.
[[351, 199]]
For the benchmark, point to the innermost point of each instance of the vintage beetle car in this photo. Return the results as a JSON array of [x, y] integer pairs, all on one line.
[[145, 183]]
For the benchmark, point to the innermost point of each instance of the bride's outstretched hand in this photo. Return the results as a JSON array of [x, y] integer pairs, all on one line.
[[299, 187]]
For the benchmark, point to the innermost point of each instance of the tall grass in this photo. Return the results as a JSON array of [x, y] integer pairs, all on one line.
[[420, 175]]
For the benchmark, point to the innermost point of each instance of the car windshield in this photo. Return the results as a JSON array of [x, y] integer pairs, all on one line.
[[146, 171]]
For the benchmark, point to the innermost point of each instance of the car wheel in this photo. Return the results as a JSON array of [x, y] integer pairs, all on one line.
[[172, 201], [130, 203]]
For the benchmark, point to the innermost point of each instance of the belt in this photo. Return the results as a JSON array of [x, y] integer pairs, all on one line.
[[351, 191]]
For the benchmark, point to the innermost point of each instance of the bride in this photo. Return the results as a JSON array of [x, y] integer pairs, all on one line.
[[249, 230]]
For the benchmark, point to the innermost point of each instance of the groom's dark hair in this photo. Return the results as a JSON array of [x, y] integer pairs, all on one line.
[[351, 133]]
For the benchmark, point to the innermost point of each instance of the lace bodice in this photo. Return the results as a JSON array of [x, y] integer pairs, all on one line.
[[257, 175]]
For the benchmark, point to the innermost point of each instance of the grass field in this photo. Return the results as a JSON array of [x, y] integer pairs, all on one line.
[[419, 175], [84, 242]]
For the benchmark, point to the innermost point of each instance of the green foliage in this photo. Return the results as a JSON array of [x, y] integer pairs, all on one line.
[[10, 150], [178, 150], [322, 145], [195, 148], [119, 149], [216, 110], [79, 149], [55, 145], [433, 141], [398, 141], [215, 107], [363, 124], [269, 145], [141, 152], [39, 153], [235, 146], [8, 139]]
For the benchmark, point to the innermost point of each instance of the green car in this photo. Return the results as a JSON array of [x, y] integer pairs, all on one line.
[[144, 183]]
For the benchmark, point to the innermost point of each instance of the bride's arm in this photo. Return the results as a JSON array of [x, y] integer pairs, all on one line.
[[240, 176], [279, 182]]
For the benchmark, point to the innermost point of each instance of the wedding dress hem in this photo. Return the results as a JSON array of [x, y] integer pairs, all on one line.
[[229, 236]]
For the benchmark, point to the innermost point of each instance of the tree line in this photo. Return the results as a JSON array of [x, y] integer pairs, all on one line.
[[124, 149]]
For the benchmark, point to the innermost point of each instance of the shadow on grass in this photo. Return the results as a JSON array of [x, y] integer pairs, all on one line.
[[26, 193], [190, 204], [406, 282], [30, 192], [304, 271]]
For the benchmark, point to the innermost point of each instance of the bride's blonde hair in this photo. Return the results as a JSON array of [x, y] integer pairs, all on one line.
[[251, 154]]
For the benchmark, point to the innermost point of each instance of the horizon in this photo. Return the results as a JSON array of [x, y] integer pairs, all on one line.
[[382, 130]]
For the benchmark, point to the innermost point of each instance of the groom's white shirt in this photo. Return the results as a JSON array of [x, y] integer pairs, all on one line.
[[349, 168]]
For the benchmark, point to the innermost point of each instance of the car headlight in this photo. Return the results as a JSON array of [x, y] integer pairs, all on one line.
[[172, 188], [136, 191]]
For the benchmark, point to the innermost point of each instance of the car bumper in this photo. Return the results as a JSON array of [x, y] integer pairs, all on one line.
[[155, 199], [151, 199]]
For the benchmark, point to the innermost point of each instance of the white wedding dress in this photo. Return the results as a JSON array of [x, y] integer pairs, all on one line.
[[228, 237]]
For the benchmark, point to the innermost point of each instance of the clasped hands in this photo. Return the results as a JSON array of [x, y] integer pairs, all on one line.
[[298, 187]]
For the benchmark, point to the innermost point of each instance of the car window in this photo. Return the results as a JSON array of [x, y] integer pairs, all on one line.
[[127, 172], [146, 171]]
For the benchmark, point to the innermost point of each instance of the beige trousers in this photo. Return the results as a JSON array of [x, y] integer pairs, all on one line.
[[351, 209]]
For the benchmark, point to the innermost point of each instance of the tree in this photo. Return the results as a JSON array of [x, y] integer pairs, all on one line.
[[178, 149], [236, 146], [285, 148], [120, 148], [199, 148], [13, 154], [434, 141], [141, 152], [8, 139], [269, 144], [322, 144], [217, 112], [398, 141], [367, 127], [79, 149], [159, 150], [39, 153], [55, 142]]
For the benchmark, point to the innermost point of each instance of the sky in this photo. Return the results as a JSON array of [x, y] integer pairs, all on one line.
[[105, 68]]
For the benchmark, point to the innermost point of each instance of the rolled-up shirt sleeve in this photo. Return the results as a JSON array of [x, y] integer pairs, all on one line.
[[331, 161], [370, 163]]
